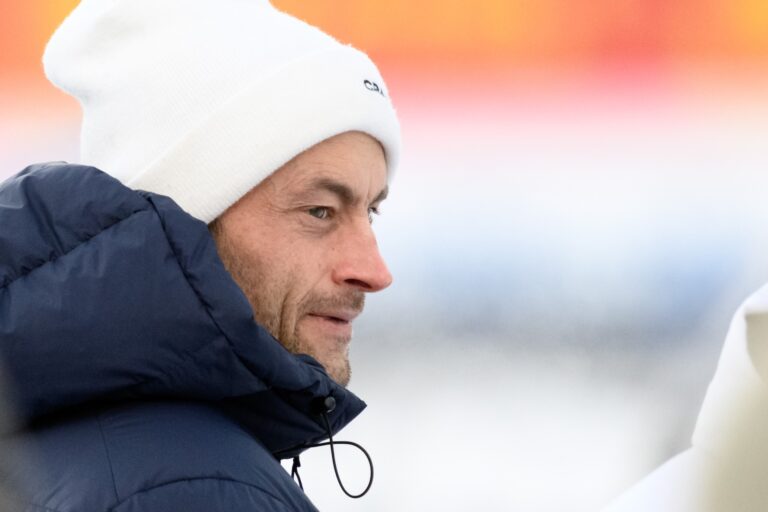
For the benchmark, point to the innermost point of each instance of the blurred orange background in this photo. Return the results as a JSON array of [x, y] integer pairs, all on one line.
[[455, 60], [490, 42]]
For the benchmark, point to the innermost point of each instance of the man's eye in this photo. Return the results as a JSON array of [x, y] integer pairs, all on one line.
[[371, 212], [320, 212]]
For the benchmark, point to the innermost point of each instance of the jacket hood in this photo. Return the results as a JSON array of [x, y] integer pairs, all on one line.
[[109, 294]]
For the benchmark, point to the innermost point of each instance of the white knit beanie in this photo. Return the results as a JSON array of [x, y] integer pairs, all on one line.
[[201, 100]]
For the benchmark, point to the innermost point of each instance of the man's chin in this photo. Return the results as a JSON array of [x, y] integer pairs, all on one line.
[[336, 364], [329, 349], [342, 375], [337, 368]]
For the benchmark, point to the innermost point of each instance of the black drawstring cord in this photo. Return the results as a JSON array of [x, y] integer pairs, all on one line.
[[295, 472], [331, 443]]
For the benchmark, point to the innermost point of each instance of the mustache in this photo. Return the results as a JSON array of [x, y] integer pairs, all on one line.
[[354, 301]]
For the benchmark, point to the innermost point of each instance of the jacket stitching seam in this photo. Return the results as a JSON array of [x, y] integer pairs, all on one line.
[[109, 458], [80, 243], [196, 479]]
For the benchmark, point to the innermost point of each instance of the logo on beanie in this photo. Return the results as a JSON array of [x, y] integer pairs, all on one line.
[[373, 86]]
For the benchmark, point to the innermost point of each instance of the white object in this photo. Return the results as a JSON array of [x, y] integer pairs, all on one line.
[[200, 100], [726, 469]]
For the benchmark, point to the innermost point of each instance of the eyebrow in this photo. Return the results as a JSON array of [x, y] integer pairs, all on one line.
[[344, 193]]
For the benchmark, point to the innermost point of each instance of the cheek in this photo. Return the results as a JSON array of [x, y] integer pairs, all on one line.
[[287, 270], [301, 284], [305, 264]]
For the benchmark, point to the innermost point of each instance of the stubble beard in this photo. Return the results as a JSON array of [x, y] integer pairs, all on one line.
[[270, 311], [336, 361]]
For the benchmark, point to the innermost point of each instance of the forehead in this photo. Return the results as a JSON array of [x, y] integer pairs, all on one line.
[[353, 159]]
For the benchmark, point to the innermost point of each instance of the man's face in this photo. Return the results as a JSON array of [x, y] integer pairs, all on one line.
[[301, 247]]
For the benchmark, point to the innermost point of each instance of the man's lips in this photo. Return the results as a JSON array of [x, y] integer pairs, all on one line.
[[340, 316]]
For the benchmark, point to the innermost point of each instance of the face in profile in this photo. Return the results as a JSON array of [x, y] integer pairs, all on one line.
[[301, 246]]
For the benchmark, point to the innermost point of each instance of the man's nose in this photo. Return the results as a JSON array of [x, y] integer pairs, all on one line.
[[360, 264]]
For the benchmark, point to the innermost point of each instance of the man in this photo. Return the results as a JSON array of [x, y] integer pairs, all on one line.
[[146, 350]]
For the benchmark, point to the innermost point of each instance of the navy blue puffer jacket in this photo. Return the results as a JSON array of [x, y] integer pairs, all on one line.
[[134, 363]]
